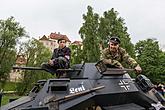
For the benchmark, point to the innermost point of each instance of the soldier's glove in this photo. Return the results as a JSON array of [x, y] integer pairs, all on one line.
[[138, 69]]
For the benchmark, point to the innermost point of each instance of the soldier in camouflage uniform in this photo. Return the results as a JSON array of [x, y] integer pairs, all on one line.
[[114, 55], [60, 58]]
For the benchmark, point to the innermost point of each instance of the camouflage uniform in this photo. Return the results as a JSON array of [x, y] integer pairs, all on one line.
[[115, 59]]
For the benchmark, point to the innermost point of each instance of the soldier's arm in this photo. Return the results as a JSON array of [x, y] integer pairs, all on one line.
[[104, 57], [132, 62], [54, 54], [68, 54], [113, 63], [54, 58], [107, 60], [128, 59], [116, 64]]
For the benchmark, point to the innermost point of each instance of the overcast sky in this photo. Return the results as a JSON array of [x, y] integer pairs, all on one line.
[[144, 18]]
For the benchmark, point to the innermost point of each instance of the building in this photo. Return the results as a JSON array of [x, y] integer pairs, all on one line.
[[15, 75], [48, 42], [79, 43], [51, 41]]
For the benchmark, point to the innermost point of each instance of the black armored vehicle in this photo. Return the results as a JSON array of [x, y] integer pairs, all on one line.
[[91, 86]]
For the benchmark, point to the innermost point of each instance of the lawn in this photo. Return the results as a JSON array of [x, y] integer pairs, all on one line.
[[9, 87], [5, 98]]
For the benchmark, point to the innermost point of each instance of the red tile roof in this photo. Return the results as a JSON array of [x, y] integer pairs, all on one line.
[[58, 36], [44, 38]]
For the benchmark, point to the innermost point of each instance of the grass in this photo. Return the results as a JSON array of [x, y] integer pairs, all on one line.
[[10, 86], [5, 98]]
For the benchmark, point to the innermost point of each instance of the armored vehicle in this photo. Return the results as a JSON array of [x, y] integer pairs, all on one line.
[[91, 86]]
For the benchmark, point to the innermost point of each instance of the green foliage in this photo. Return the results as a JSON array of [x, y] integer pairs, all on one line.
[[10, 32], [5, 98], [89, 35], [36, 54], [96, 31], [9, 86], [76, 53], [151, 59]]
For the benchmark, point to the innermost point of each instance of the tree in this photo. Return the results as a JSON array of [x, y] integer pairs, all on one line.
[[96, 32], [151, 59], [112, 25], [161, 66], [36, 54], [10, 32], [89, 35], [76, 53]]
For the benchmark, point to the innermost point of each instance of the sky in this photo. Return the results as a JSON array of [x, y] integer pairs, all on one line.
[[143, 18]]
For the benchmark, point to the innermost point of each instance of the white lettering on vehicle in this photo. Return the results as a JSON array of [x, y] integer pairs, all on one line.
[[77, 89]]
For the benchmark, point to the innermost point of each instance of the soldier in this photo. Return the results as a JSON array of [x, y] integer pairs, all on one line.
[[114, 55], [60, 58]]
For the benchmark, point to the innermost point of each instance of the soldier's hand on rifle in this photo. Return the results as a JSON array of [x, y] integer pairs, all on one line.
[[138, 69], [50, 62]]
